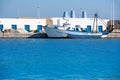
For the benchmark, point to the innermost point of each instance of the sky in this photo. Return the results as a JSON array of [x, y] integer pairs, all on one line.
[[55, 8]]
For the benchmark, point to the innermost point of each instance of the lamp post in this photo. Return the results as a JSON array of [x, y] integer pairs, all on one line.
[[38, 11], [112, 14]]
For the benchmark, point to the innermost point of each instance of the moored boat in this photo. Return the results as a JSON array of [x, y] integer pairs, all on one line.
[[57, 33], [67, 31]]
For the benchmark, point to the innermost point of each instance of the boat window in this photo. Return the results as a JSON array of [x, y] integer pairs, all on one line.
[[77, 26], [55, 27], [68, 28], [77, 29]]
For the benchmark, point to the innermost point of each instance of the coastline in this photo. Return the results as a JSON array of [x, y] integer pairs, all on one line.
[[114, 34]]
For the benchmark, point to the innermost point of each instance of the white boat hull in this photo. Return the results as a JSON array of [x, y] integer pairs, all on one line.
[[52, 32]]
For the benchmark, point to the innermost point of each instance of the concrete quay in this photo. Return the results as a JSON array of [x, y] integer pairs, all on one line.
[[23, 35], [114, 34]]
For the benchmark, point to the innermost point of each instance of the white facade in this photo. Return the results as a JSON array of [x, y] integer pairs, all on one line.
[[21, 22], [33, 23], [83, 22]]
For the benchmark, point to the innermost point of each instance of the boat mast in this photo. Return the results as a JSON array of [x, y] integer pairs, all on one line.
[[95, 22], [96, 17]]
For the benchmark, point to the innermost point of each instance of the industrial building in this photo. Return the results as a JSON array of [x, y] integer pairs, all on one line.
[[18, 26], [28, 25], [23, 25]]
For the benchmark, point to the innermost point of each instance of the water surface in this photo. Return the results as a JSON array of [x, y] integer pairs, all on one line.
[[59, 59]]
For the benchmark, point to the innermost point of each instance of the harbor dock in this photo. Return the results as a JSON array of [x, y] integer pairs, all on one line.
[[116, 31], [23, 35], [33, 28], [113, 34]]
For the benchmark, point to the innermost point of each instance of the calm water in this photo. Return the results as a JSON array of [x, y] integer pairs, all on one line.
[[59, 59]]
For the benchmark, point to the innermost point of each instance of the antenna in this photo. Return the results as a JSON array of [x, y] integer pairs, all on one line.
[[38, 11], [81, 12], [112, 13], [17, 12]]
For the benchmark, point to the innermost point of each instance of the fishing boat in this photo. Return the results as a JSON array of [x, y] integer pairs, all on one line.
[[66, 31]]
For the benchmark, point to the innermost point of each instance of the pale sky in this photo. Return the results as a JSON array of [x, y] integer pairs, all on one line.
[[55, 8]]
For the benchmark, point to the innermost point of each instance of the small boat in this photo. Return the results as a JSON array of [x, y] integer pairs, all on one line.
[[66, 31]]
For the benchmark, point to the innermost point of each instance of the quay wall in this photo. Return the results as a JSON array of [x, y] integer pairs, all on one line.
[[23, 35], [114, 34], [44, 35]]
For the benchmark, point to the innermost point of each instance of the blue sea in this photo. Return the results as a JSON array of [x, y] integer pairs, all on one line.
[[60, 59]]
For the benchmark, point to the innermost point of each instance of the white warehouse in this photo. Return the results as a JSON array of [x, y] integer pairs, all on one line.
[[81, 22], [27, 24], [22, 24]]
